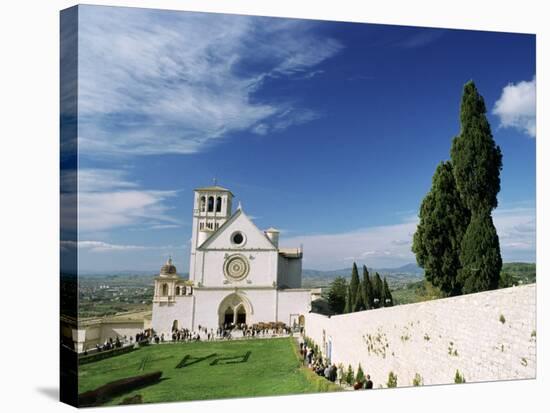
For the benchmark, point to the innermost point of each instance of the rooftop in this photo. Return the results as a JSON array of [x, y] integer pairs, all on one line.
[[213, 188]]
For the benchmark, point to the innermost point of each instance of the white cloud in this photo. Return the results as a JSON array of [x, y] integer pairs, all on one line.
[[516, 107], [390, 245], [154, 82], [516, 229], [379, 246], [100, 246], [107, 200]]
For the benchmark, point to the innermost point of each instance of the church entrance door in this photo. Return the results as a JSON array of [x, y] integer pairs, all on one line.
[[228, 317], [241, 315], [235, 309]]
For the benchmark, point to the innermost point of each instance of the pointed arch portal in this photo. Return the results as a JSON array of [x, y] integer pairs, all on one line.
[[234, 309]]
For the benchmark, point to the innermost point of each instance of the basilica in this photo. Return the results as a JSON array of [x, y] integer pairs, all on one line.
[[237, 273]]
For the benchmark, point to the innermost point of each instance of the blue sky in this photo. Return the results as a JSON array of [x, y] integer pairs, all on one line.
[[328, 131]]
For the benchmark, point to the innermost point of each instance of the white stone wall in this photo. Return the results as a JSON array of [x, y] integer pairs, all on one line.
[[292, 304], [164, 314], [486, 336], [120, 329], [98, 332]]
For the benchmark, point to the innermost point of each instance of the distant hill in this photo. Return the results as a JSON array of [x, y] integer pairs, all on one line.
[[395, 276], [125, 273], [520, 273]]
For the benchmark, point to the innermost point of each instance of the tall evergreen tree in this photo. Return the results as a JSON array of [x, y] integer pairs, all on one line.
[[477, 162], [480, 255], [443, 222], [337, 295], [359, 304], [354, 287], [476, 159], [347, 307], [378, 291], [388, 299], [366, 285]]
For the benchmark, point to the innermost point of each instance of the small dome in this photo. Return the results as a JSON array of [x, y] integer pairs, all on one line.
[[168, 269]]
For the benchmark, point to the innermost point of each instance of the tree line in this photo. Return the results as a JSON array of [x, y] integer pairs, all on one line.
[[456, 241], [359, 295]]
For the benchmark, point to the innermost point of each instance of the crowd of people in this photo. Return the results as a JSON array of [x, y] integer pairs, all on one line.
[[110, 344], [225, 332], [322, 367]]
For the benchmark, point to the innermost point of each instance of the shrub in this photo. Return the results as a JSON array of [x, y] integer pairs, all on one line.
[[417, 380], [104, 354], [392, 380], [349, 375], [360, 376], [102, 394], [459, 378]]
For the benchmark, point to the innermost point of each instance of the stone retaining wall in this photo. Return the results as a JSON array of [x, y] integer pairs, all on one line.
[[485, 336]]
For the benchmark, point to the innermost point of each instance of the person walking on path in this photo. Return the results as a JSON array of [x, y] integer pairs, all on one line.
[[368, 383]]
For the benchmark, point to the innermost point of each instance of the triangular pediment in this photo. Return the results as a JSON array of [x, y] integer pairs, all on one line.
[[254, 238]]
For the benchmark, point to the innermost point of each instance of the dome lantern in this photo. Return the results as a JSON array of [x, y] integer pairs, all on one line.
[[168, 269]]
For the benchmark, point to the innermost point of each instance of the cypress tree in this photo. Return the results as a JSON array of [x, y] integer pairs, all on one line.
[[347, 307], [387, 295], [378, 291], [350, 376], [476, 159], [443, 222], [337, 295], [359, 304], [354, 287], [360, 376], [477, 162], [367, 289], [480, 255]]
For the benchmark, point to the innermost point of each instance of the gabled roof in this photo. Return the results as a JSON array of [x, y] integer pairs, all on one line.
[[227, 223]]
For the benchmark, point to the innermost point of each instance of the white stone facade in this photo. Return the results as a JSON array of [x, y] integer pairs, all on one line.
[[237, 273], [485, 336]]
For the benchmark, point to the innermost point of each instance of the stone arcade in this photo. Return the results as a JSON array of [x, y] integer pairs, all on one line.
[[237, 273]]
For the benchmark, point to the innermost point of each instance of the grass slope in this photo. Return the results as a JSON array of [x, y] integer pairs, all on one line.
[[271, 368]]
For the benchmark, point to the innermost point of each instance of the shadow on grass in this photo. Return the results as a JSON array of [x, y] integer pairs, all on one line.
[[109, 391]]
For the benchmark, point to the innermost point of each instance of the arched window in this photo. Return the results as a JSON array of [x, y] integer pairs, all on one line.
[[219, 204], [203, 203], [210, 204], [164, 289], [178, 291]]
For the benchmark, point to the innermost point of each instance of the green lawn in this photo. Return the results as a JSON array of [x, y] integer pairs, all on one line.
[[262, 367]]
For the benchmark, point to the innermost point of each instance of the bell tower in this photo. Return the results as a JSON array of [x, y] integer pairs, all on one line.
[[212, 206]]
